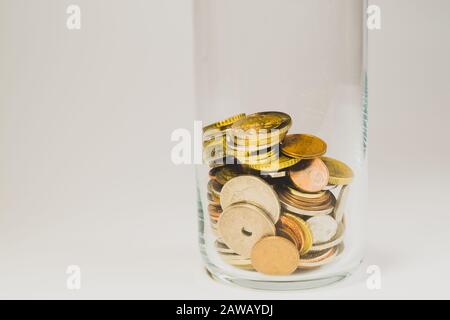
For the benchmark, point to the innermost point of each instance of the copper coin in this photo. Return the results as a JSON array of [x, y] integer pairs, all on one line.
[[306, 233], [304, 208], [294, 207], [287, 223], [288, 234], [320, 258], [275, 256], [310, 175], [297, 193], [313, 205], [324, 196]]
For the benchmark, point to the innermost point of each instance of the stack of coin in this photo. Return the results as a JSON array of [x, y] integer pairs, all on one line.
[[255, 139], [214, 140], [276, 205]]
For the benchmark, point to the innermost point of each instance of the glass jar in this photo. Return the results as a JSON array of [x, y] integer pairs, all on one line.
[[281, 90]]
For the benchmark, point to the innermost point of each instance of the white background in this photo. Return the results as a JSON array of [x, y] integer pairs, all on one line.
[[85, 171]]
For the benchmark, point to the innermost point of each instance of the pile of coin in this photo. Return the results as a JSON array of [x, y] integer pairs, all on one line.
[[275, 202]]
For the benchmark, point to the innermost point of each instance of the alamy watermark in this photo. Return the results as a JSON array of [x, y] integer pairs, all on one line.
[[73, 21], [73, 281], [373, 282], [209, 145]]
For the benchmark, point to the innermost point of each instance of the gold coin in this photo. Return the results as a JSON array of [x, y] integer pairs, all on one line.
[[252, 155], [241, 225], [340, 173], [305, 230], [214, 151], [266, 158], [251, 145], [283, 162], [212, 173], [262, 125], [275, 256], [226, 173], [220, 162], [255, 139], [216, 140], [247, 151], [304, 146], [224, 123], [254, 190], [213, 199], [214, 188], [213, 135], [263, 121]]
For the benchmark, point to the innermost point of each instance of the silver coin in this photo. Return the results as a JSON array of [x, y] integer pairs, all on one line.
[[253, 190], [323, 228], [336, 240], [341, 203], [242, 225]]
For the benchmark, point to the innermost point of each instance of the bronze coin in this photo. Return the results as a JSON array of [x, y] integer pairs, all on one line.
[[309, 175], [287, 233], [275, 256]]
